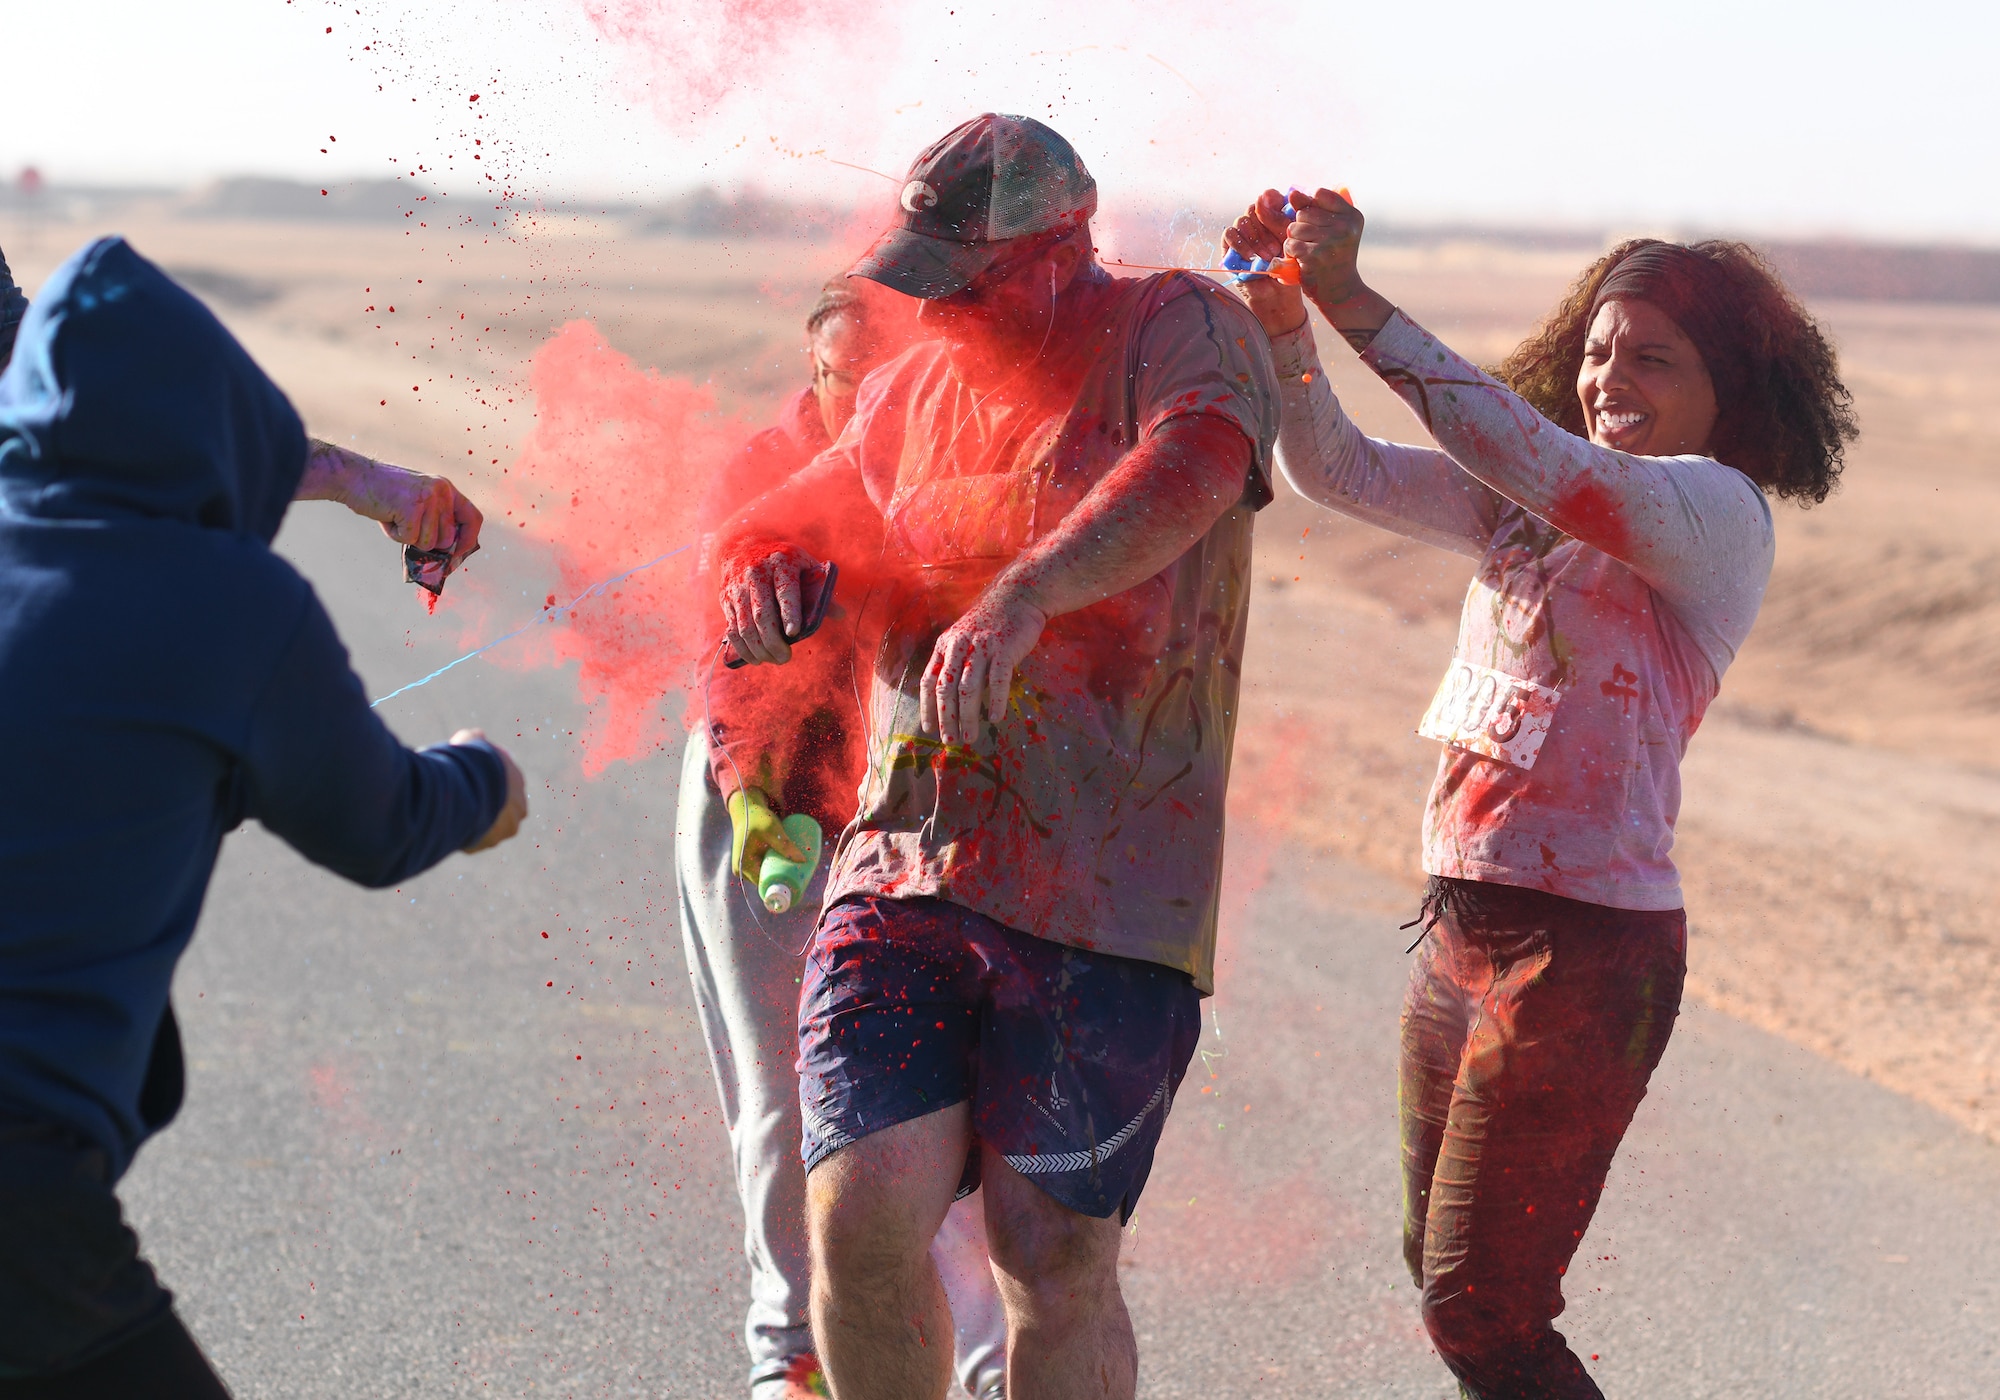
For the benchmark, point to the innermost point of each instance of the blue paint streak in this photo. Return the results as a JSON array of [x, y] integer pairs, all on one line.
[[551, 615]]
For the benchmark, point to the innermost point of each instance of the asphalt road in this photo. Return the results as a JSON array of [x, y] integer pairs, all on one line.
[[429, 1151]]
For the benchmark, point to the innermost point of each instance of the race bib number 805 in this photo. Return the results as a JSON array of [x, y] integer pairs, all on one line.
[[1491, 713]]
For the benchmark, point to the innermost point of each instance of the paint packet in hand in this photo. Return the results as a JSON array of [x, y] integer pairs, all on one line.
[[426, 568]]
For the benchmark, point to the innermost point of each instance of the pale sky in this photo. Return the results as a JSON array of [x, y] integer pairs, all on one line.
[[1833, 117]]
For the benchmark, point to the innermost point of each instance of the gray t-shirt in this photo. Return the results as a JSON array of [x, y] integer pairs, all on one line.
[[1612, 593], [1092, 814]]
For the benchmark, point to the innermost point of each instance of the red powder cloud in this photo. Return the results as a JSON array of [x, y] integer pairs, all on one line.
[[695, 53], [610, 478]]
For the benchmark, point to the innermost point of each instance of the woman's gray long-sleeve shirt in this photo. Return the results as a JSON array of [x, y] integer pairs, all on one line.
[[1612, 593]]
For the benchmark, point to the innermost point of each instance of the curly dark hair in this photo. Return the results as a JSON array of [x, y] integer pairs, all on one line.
[[1783, 416]]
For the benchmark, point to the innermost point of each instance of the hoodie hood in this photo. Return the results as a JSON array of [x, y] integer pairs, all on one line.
[[126, 398]]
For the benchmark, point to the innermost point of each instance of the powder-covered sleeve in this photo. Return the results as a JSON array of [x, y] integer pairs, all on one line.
[[328, 777], [1697, 531], [1415, 491], [1201, 351]]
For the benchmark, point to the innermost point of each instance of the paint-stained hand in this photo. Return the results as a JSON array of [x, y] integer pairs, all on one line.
[[1260, 233], [971, 672], [426, 511], [754, 829], [762, 603], [514, 811]]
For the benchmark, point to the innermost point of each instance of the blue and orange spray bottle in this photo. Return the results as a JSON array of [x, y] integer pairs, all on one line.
[[1284, 270]]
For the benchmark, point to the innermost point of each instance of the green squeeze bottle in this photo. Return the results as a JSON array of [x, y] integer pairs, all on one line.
[[782, 883]]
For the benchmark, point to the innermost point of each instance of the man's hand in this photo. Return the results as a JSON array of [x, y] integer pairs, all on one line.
[[412, 508], [515, 811], [1143, 514], [762, 603], [754, 829], [971, 672], [1260, 233], [426, 511]]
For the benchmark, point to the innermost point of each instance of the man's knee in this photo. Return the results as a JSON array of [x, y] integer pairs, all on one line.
[[858, 1229], [873, 1206], [1046, 1251]]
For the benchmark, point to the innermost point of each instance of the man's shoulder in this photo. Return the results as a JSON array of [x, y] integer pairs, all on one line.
[[1180, 296], [170, 556]]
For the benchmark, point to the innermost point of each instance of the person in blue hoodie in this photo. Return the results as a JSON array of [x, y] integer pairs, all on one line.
[[163, 676], [13, 306]]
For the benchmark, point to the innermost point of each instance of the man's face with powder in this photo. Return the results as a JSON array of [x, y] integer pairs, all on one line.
[[1004, 319]]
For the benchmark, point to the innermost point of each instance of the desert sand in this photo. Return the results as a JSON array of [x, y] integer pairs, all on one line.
[[1840, 838]]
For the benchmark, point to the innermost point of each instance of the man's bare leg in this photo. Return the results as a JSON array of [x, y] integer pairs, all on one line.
[[1068, 1334], [880, 1320]]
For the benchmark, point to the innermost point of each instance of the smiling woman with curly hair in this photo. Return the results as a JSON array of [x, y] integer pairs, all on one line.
[[1611, 478], [1783, 417]]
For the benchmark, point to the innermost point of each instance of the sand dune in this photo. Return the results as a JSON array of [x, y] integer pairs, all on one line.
[[1842, 819]]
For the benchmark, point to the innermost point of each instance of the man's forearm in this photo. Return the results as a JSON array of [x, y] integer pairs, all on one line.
[[334, 473], [1145, 513]]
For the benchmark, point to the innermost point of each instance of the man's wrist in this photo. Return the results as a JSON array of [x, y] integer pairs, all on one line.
[[1016, 588]]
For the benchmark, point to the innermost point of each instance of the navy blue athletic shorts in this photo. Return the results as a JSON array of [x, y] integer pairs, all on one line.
[[1069, 1058]]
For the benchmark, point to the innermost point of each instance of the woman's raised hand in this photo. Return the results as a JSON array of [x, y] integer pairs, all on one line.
[[1325, 238]]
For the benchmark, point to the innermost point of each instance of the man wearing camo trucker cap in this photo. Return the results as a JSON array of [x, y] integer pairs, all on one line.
[[1042, 518]]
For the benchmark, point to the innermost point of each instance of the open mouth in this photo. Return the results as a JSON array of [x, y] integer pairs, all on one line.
[[1620, 422]]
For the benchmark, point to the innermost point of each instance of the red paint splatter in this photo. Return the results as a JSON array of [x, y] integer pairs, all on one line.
[[1591, 512]]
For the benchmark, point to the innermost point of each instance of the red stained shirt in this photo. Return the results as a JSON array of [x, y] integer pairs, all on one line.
[[1092, 814], [1620, 585]]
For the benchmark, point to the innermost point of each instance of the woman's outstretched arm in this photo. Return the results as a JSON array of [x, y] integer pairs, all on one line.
[[1415, 491], [1697, 531], [1691, 527]]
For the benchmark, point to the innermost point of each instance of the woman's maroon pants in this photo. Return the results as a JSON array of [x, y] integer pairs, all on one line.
[[1530, 1029]]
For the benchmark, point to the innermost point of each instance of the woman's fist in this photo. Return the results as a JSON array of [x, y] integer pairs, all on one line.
[[1325, 238]]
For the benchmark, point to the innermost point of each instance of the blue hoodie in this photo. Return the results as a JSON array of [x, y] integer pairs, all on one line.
[[163, 675], [13, 306]]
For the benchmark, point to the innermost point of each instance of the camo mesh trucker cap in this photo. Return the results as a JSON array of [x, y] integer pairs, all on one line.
[[989, 182]]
